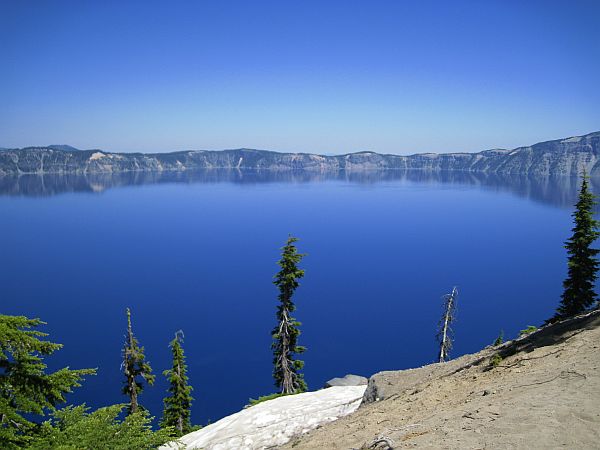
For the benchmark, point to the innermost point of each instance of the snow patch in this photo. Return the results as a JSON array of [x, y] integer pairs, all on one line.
[[275, 422], [97, 155]]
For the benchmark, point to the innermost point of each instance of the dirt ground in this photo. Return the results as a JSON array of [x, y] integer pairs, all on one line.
[[543, 394]]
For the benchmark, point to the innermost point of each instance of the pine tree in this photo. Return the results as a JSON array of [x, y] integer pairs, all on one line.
[[176, 412], [579, 293], [136, 369], [26, 389], [77, 427], [286, 369]]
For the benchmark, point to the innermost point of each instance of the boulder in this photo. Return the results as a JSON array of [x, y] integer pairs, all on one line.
[[348, 380]]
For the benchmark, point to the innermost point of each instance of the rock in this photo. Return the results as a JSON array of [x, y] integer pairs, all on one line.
[[348, 380], [275, 422], [568, 157], [385, 384]]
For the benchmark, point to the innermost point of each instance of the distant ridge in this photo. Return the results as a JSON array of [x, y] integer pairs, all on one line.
[[61, 147], [569, 156], [64, 148]]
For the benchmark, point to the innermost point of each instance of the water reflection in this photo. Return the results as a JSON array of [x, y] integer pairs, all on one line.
[[557, 191]]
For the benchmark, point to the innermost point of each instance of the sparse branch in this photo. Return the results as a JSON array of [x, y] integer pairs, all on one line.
[[445, 331], [135, 367]]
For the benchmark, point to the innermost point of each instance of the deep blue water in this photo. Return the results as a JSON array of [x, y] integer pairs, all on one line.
[[198, 253]]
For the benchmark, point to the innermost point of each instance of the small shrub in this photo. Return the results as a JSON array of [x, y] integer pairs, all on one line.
[[500, 339], [530, 329], [496, 360], [264, 398]]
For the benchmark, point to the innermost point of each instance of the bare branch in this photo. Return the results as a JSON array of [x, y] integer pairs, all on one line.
[[445, 332]]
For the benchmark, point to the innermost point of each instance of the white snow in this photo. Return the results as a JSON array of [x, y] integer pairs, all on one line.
[[97, 155], [276, 421]]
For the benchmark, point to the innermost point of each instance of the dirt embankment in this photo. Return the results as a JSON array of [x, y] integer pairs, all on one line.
[[544, 393]]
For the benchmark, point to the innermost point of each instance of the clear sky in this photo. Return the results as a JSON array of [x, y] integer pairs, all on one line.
[[315, 76]]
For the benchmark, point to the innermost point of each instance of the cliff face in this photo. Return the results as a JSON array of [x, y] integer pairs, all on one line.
[[561, 157]]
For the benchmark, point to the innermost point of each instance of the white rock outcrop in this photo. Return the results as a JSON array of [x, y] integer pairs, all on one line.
[[276, 421]]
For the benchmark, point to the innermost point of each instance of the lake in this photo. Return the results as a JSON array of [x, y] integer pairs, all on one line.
[[198, 251]]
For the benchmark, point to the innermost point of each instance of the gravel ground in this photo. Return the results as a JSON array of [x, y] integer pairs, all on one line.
[[543, 394]]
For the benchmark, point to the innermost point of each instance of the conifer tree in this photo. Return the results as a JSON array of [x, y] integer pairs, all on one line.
[[285, 346], [26, 389], [79, 428], [579, 292], [177, 412], [136, 368]]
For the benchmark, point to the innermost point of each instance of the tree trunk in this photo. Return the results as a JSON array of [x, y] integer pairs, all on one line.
[[130, 378], [445, 339], [179, 418], [132, 395], [287, 386]]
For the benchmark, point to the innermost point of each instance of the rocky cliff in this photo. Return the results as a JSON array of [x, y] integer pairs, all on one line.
[[560, 157]]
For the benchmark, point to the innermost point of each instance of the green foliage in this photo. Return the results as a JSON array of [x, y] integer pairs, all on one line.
[[579, 293], [500, 339], [496, 360], [177, 407], [530, 329], [74, 428], [26, 389], [286, 369], [135, 367], [264, 398]]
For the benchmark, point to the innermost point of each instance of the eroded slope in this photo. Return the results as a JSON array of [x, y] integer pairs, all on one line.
[[545, 393]]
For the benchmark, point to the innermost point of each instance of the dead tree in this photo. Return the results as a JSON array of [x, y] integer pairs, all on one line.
[[445, 331]]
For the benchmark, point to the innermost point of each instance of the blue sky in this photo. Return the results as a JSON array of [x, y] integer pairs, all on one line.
[[315, 76]]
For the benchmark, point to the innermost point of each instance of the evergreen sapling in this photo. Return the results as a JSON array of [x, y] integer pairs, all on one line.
[[136, 368], [177, 406], [286, 369]]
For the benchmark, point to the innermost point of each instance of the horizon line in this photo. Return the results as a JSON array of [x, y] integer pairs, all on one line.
[[72, 148]]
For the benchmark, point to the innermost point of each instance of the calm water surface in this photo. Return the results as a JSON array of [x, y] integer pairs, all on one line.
[[197, 252]]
